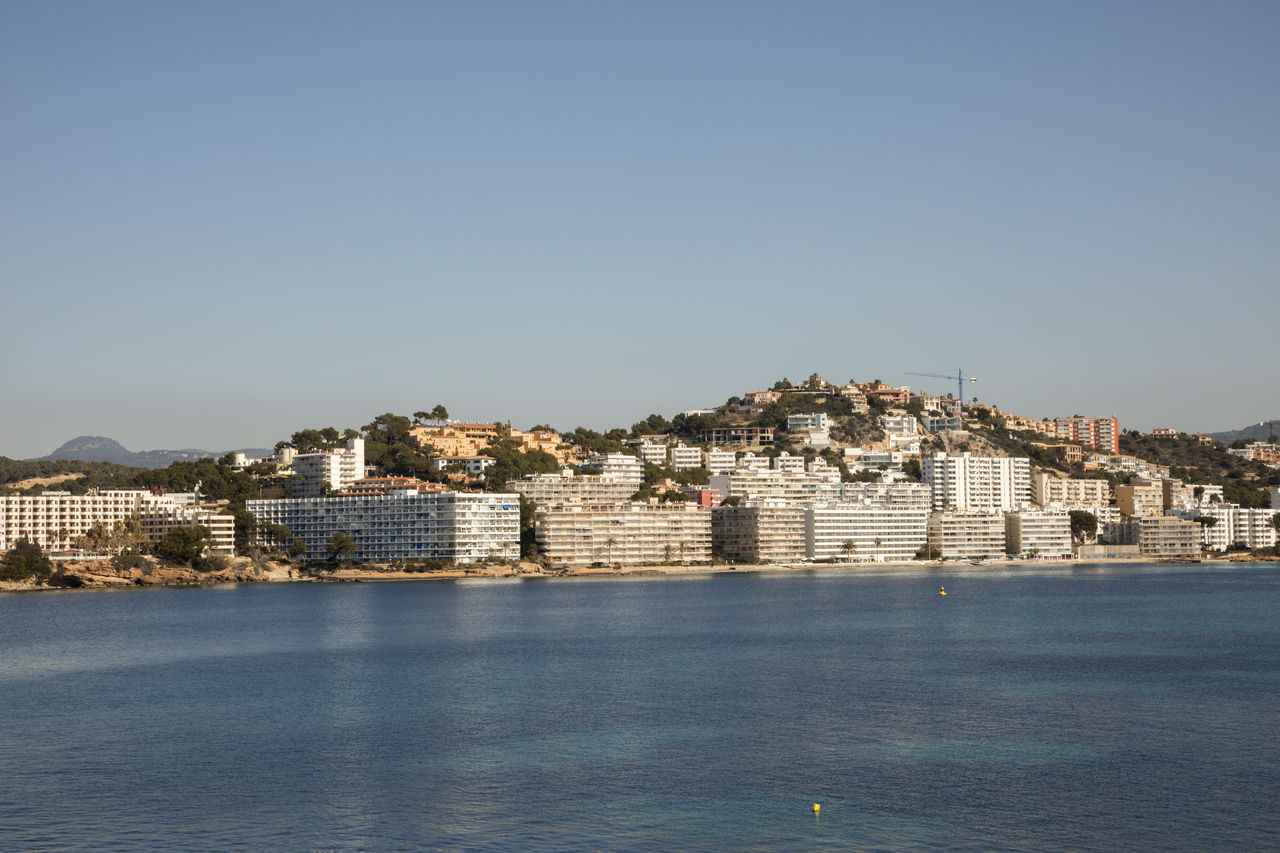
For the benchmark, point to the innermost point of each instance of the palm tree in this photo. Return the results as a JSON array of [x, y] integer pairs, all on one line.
[[848, 549], [610, 544]]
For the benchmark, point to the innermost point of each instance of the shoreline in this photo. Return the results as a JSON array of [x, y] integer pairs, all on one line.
[[85, 578]]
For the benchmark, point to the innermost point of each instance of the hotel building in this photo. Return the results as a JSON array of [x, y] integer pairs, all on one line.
[[463, 527]]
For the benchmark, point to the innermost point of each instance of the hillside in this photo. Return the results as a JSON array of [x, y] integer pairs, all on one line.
[[98, 448], [1253, 432]]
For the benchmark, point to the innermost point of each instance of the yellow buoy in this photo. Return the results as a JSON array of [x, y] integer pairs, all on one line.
[[816, 807], [942, 590]]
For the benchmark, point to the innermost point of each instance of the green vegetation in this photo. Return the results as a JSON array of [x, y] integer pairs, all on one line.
[[1243, 481], [341, 546], [1084, 525], [24, 560], [186, 545]]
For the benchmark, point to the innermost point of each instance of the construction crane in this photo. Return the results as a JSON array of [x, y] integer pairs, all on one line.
[[959, 379]]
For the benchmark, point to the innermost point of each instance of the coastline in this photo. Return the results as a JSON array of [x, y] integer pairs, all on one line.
[[89, 576]]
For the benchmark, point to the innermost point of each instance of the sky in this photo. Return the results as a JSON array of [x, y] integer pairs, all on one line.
[[224, 222]]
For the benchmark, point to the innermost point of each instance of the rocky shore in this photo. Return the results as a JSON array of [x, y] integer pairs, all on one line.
[[102, 575]]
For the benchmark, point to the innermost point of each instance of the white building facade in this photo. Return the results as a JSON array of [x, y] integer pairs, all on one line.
[[463, 527], [977, 483]]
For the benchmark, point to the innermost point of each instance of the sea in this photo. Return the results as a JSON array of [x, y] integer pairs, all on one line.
[[1050, 709]]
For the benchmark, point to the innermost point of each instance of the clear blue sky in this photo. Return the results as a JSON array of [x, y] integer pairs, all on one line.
[[223, 222]]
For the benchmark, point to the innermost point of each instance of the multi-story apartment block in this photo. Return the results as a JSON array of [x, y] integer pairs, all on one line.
[[879, 521], [651, 453], [719, 461], [1168, 537], [1141, 498], [159, 517], [628, 534], [1164, 432], [862, 459], [387, 485], [1099, 433], [325, 471], [474, 465], [1275, 497], [759, 532], [746, 435], [685, 458], [1049, 489], [1045, 534], [55, 520], [463, 527], [786, 462], [772, 484], [455, 438], [568, 487], [617, 465], [899, 425], [977, 483], [808, 420], [967, 535], [947, 424], [1233, 525]]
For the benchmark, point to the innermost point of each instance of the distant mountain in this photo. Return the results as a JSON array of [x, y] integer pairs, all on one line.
[[1253, 432], [99, 448]]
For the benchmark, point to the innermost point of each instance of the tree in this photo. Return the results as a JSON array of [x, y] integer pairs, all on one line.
[[25, 559], [848, 548], [1275, 521], [185, 544], [1083, 525], [297, 549], [1206, 520], [440, 413], [342, 546]]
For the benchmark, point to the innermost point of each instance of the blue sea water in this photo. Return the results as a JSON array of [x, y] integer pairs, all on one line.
[[1073, 709]]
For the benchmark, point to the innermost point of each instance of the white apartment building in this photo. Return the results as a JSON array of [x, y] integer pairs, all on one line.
[[967, 535], [951, 423], [861, 459], [1045, 534], [568, 487], [317, 474], [719, 461], [618, 466], [685, 458], [474, 465], [786, 462], [808, 421], [651, 453], [1275, 497], [56, 519], [768, 531], [628, 534], [771, 484], [977, 483], [1141, 498], [1235, 525], [884, 522], [464, 527], [1047, 488], [752, 462], [899, 425], [1167, 537]]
